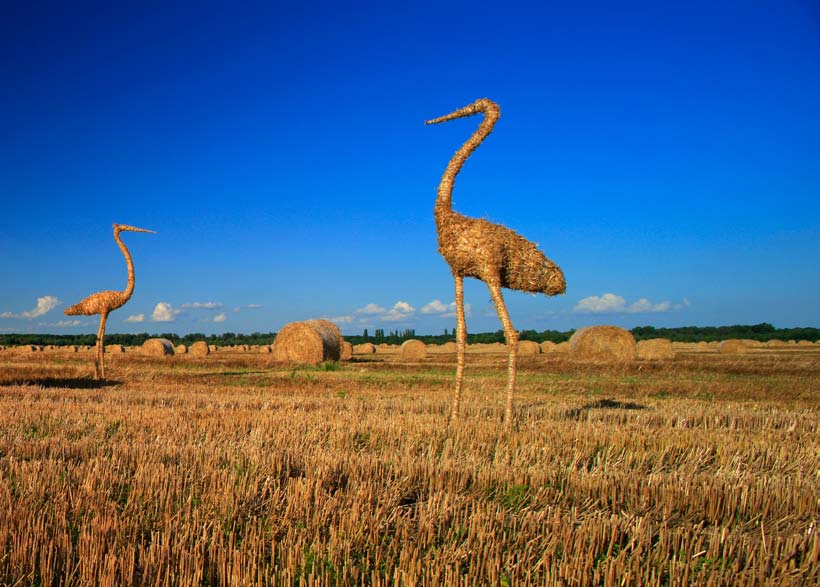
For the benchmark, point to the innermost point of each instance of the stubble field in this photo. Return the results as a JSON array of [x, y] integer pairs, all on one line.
[[228, 470]]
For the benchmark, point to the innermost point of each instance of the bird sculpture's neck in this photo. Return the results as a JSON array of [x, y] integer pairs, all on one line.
[[444, 201], [130, 289]]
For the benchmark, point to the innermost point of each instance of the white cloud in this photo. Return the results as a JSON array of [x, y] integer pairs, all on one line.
[[44, 305], [434, 307], [135, 318], [202, 305], [444, 310], [163, 312], [610, 303], [342, 319], [221, 317], [254, 306], [63, 323], [400, 311], [371, 308]]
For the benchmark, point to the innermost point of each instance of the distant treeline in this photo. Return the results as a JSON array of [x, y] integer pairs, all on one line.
[[762, 332]]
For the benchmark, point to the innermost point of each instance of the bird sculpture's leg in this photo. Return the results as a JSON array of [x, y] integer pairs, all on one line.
[[512, 347], [99, 364], [461, 342]]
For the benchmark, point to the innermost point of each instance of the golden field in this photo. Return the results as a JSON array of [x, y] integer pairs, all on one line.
[[230, 470]]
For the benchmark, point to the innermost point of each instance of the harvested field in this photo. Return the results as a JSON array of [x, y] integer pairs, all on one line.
[[698, 470]]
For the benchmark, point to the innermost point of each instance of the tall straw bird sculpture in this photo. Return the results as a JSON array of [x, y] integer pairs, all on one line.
[[105, 302], [496, 255]]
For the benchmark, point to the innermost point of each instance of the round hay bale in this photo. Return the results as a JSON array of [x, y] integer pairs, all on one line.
[[114, 349], [157, 347], [413, 350], [733, 346], [561, 347], [449, 347], [27, 348], [307, 343], [775, 343], [603, 344], [805, 343], [346, 352], [366, 348], [547, 346], [180, 349], [72, 348], [212, 348], [528, 348], [264, 349], [655, 349], [200, 349]]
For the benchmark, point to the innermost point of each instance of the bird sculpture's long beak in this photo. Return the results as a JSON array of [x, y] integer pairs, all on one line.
[[132, 228]]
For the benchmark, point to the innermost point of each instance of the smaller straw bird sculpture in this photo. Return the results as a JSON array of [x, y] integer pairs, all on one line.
[[494, 254], [105, 302]]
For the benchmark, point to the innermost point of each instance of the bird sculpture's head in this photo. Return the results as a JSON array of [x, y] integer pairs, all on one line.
[[555, 283], [549, 279], [124, 227]]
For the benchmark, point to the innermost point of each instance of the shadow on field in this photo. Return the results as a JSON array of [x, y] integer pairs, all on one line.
[[235, 373], [62, 382], [608, 404]]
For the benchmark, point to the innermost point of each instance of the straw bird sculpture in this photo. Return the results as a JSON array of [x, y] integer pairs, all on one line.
[[105, 302], [494, 254]]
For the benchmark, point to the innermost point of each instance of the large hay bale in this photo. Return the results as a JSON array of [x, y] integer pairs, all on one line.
[[27, 348], [366, 348], [603, 344], [413, 350], [805, 343], [547, 346], [180, 349], [775, 343], [212, 348], [449, 347], [199, 348], [733, 346], [157, 347], [561, 347], [655, 349], [346, 351], [528, 348], [307, 343], [114, 349]]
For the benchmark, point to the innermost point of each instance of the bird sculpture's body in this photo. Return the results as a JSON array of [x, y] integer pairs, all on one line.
[[492, 253], [105, 302]]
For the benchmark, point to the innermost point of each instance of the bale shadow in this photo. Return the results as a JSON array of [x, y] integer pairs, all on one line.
[[62, 382], [607, 403]]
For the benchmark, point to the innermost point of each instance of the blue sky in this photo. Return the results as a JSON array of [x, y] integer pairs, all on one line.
[[665, 155]]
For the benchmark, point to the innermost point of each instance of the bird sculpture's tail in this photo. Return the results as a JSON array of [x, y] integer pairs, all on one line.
[[492, 112]]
